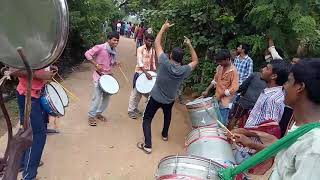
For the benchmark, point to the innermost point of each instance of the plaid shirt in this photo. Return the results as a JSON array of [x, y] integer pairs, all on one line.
[[244, 67], [269, 106]]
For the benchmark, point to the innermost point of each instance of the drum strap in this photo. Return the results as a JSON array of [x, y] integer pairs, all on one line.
[[267, 153]]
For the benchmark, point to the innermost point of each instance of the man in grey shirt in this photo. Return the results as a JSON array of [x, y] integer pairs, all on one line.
[[171, 73]]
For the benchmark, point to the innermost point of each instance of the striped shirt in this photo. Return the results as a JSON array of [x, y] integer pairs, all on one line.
[[269, 106], [244, 67]]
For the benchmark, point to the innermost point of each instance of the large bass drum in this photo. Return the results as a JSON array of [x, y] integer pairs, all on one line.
[[40, 27]]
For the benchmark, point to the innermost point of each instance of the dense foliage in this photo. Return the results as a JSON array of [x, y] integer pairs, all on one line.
[[293, 24], [86, 28]]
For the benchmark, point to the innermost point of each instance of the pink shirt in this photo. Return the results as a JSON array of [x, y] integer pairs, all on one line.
[[102, 57], [36, 85]]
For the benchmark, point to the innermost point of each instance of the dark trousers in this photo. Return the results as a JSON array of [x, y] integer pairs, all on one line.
[[39, 120], [149, 113]]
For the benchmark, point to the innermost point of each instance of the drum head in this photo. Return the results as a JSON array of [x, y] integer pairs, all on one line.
[[198, 101], [40, 27], [144, 85], [55, 100], [109, 84], [62, 93]]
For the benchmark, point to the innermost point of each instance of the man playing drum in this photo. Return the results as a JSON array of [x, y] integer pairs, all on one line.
[[145, 62], [301, 159], [267, 111], [226, 82], [103, 57], [171, 73], [39, 118]]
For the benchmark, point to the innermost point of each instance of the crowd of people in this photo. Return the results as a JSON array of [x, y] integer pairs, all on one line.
[[252, 104]]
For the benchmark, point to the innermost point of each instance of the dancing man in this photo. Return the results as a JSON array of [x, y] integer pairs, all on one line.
[[171, 73]]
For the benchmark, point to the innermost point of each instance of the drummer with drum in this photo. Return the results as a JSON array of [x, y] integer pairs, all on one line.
[[39, 118], [226, 82], [146, 64], [103, 57]]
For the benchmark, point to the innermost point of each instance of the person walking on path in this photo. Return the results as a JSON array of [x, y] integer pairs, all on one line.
[[171, 73]]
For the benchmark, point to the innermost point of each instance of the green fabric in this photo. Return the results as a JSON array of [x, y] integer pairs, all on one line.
[[272, 150]]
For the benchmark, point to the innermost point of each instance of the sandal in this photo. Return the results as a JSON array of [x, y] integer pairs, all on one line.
[[140, 145], [92, 121], [101, 118]]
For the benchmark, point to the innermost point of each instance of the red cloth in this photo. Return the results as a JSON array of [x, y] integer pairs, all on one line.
[[270, 127]]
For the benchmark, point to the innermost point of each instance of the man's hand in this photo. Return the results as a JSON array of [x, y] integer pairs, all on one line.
[[242, 139], [149, 77], [205, 93], [54, 68], [117, 64], [239, 131], [47, 75], [265, 138], [166, 26], [187, 41]]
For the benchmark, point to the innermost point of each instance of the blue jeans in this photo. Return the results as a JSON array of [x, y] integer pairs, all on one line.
[[39, 120], [100, 101], [224, 115]]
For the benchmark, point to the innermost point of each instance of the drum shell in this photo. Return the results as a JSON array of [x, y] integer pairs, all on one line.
[[210, 143], [203, 114], [192, 167], [47, 104]]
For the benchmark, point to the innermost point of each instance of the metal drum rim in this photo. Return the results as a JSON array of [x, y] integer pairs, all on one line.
[[102, 87], [52, 104], [61, 38], [189, 157]]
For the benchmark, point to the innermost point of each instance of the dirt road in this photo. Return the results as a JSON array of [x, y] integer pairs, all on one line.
[[108, 151]]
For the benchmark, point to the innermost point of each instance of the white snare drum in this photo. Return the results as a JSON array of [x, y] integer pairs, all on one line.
[[62, 93], [109, 84], [51, 102], [210, 143], [188, 168], [143, 84]]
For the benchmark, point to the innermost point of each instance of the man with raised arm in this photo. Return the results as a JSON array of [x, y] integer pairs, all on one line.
[[170, 75]]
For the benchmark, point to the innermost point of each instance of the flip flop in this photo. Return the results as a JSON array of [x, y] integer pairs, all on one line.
[[101, 118], [140, 146], [92, 122]]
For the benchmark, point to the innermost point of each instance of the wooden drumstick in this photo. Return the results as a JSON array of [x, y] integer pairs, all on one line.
[[225, 128], [124, 74], [74, 96]]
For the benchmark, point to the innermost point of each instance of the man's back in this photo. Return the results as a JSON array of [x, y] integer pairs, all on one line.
[[169, 78], [253, 86]]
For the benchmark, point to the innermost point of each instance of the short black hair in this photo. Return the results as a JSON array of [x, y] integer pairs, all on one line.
[[307, 71], [177, 54], [246, 48], [113, 34], [281, 69], [222, 54], [149, 36]]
